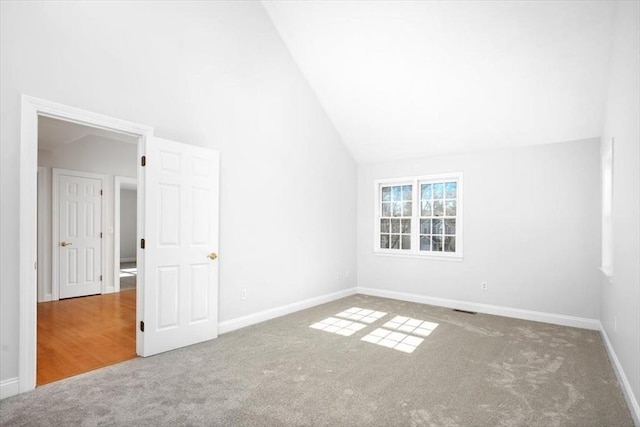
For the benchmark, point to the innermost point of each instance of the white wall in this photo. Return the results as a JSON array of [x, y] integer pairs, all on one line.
[[128, 218], [214, 74], [89, 154], [531, 230], [620, 300]]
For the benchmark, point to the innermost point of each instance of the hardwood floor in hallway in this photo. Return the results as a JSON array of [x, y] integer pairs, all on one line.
[[82, 334]]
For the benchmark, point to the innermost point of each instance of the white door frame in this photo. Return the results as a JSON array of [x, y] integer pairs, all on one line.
[[120, 182], [55, 229], [31, 109]]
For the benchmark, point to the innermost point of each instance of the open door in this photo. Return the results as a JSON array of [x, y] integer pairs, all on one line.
[[180, 289]]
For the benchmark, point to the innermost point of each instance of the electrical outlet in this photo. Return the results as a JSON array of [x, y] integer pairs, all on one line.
[[243, 294], [338, 276], [484, 286], [346, 274]]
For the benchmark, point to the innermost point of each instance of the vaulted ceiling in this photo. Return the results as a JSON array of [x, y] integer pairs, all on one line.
[[413, 78]]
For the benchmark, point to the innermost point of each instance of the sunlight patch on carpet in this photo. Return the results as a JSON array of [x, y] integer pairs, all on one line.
[[395, 340], [401, 333], [412, 326], [361, 314], [338, 326]]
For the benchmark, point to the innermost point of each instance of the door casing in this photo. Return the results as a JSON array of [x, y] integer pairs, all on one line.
[[31, 109]]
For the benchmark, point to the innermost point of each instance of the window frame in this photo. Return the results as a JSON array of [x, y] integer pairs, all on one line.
[[415, 182]]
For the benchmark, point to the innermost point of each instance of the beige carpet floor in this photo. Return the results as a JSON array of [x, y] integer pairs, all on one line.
[[468, 370]]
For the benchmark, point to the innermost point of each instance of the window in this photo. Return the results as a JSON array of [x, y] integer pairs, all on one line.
[[419, 216]]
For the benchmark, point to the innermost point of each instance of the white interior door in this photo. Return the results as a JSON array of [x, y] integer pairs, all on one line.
[[79, 242], [181, 241]]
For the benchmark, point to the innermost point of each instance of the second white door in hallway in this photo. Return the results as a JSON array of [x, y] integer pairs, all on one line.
[[79, 225]]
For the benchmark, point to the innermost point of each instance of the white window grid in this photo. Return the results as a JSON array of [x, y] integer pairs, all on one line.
[[416, 216], [396, 209]]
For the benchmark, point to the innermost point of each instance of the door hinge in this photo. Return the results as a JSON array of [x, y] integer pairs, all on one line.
[[101, 192], [142, 326], [143, 161], [142, 243], [101, 277], [101, 234]]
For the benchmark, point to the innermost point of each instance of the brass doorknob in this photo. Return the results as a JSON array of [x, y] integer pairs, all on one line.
[[213, 255], [63, 244]]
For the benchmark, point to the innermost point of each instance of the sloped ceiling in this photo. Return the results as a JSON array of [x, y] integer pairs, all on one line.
[[416, 78]]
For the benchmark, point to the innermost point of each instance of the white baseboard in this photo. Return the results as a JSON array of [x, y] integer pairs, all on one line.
[[9, 387], [537, 316], [127, 259], [261, 316], [632, 402]]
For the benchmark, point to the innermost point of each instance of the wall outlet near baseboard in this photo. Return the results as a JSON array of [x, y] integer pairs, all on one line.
[[484, 286], [243, 294]]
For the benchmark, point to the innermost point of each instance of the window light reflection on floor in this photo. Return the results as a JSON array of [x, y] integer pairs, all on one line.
[[401, 341], [394, 340], [412, 326], [400, 333], [338, 326], [361, 314]]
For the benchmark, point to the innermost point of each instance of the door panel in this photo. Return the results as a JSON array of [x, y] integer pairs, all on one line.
[[180, 288], [79, 225]]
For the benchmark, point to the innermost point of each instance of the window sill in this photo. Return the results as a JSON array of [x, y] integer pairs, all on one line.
[[448, 258]]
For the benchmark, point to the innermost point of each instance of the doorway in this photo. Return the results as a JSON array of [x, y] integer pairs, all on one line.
[[85, 320], [32, 109], [177, 210]]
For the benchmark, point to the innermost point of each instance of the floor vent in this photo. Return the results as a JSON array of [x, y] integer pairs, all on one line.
[[464, 311]]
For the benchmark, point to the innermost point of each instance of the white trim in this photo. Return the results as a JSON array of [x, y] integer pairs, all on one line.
[[55, 229], [120, 182], [30, 109], [140, 232], [9, 387], [394, 254], [272, 313], [632, 402], [497, 310]]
